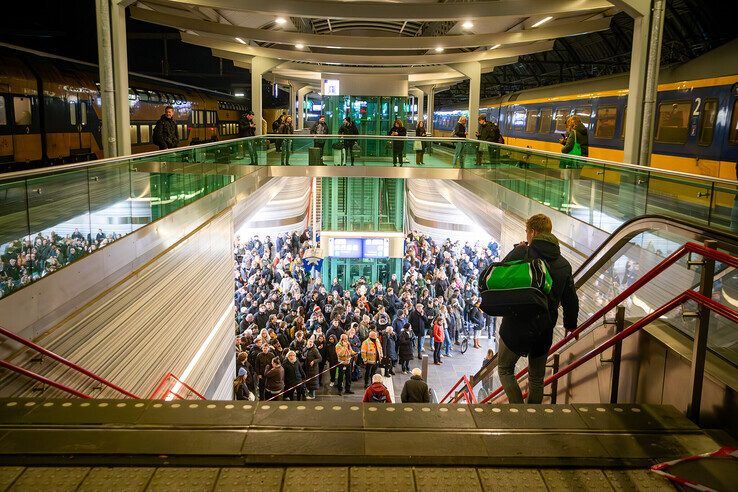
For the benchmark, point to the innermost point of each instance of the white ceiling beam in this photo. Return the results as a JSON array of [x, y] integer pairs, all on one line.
[[372, 42], [379, 60], [402, 11], [634, 8]]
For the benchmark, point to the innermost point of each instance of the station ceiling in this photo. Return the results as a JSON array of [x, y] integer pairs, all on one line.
[[520, 43]]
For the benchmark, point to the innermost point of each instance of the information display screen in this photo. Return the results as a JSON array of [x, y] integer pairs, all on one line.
[[376, 248], [340, 247]]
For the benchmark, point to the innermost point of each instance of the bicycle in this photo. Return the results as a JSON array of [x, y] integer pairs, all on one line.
[[464, 336]]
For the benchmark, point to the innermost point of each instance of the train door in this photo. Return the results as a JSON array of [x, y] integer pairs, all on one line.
[[80, 106], [6, 137], [25, 128]]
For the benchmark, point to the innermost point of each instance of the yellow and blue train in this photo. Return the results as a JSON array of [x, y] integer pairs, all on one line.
[[696, 115]]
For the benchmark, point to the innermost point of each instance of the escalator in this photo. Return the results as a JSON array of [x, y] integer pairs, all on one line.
[[633, 249]]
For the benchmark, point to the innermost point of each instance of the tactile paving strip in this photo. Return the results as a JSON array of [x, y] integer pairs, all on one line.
[[382, 479], [118, 479], [465, 479], [178, 479], [250, 479], [638, 480], [567, 480], [494, 479], [324, 479], [8, 474], [57, 479]]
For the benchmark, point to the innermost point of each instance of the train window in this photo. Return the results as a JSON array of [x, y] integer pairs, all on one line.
[[561, 115], [3, 112], [625, 116], [733, 130], [546, 120], [673, 122], [83, 112], [531, 121], [707, 122], [131, 95], [73, 113], [584, 113], [142, 95], [195, 117], [134, 134], [22, 108], [518, 120], [145, 133], [605, 124], [154, 96]]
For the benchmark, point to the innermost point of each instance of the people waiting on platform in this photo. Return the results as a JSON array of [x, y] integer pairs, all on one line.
[[398, 146], [415, 389], [165, 131], [419, 145], [340, 334], [320, 127], [286, 128], [346, 130], [459, 132], [26, 260], [531, 336], [377, 392]]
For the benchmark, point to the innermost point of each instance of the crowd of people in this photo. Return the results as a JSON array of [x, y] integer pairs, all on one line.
[[294, 334], [26, 260]]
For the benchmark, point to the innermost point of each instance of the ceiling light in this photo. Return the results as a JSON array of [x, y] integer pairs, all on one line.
[[467, 25], [495, 46], [238, 94], [439, 49], [240, 40], [280, 20], [542, 21], [299, 46]]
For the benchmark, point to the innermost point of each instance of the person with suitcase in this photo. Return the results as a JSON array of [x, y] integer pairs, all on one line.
[[320, 127]]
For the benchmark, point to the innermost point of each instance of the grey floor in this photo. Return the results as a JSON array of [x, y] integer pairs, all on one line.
[[440, 378]]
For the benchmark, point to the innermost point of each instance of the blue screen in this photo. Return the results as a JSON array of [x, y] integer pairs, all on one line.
[[376, 248], [346, 247]]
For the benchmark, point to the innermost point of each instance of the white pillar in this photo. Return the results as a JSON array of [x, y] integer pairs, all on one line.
[[652, 80], [293, 93], [473, 70], [428, 90], [120, 78], [259, 66], [636, 90], [418, 93], [301, 94]]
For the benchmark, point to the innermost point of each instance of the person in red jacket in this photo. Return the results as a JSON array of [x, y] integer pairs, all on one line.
[[377, 392], [438, 336]]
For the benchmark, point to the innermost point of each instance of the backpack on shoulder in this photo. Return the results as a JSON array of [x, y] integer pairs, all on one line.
[[379, 398], [515, 288]]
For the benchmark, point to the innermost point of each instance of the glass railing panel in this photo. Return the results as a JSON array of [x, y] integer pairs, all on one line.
[[724, 207], [624, 196], [682, 197], [112, 212], [15, 238]]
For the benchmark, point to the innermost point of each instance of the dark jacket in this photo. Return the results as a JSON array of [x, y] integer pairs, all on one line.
[[242, 391], [246, 128], [274, 379], [293, 373], [420, 132], [165, 133], [349, 129], [581, 138], [398, 145], [489, 132], [415, 391], [459, 131], [406, 345], [319, 128], [418, 322], [312, 355], [526, 336], [286, 129]]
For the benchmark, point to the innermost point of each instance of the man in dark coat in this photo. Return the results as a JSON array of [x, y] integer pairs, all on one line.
[[165, 131], [531, 336], [312, 365], [405, 347], [415, 389], [247, 128], [419, 323], [294, 375]]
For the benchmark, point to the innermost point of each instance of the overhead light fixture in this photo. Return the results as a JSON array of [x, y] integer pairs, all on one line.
[[240, 40], [299, 46], [439, 49], [238, 94], [542, 21], [495, 46], [467, 25], [280, 20]]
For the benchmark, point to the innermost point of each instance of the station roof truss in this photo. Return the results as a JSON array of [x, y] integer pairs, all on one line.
[[520, 43]]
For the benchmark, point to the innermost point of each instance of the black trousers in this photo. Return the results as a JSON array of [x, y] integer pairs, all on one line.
[[344, 377], [369, 370], [437, 351], [349, 150], [295, 394], [396, 156], [320, 144], [405, 365]]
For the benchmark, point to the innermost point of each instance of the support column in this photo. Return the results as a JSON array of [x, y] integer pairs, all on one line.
[[120, 78], [259, 66], [304, 91], [473, 70], [291, 109], [107, 89], [428, 90], [418, 93]]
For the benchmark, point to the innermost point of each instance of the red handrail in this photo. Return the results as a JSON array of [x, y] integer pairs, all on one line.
[[164, 380], [645, 279], [45, 380], [59, 358], [461, 379], [470, 398]]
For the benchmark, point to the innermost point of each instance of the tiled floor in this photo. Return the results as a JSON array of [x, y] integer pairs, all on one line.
[[440, 378]]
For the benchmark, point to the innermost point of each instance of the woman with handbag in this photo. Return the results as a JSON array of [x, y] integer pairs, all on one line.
[[419, 145]]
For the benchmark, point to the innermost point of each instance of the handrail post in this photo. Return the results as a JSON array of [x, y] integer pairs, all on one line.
[[555, 384], [699, 348], [617, 351]]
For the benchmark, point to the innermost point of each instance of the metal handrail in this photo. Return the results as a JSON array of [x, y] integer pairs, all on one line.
[[164, 380], [43, 379], [467, 393], [645, 279], [59, 358]]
